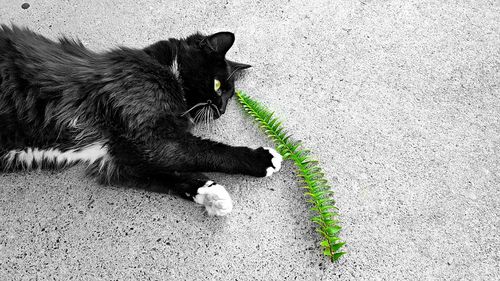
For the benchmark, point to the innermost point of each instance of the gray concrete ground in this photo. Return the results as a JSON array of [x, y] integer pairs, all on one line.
[[399, 100]]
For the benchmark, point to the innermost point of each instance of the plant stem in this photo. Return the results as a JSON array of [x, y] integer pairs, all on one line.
[[310, 173]]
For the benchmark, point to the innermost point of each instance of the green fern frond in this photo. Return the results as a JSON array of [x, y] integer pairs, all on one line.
[[311, 175]]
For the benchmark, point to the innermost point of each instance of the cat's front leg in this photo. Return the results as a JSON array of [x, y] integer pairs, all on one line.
[[260, 162], [198, 188], [193, 154]]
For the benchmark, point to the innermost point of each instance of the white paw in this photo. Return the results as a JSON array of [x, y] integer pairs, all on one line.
[[277, 159], [215, 199]]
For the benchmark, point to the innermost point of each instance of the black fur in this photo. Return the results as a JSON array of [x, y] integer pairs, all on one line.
[[63, 96]]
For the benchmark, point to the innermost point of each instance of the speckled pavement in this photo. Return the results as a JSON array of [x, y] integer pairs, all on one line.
[[399, 100]]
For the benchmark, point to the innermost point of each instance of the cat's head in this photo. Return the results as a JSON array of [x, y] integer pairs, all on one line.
[[207, 76]]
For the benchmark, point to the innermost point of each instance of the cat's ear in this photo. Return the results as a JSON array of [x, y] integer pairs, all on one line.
[[219, 42], [236, 66]]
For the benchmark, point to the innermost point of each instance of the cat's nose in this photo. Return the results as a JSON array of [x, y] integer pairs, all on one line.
[[209, 102]]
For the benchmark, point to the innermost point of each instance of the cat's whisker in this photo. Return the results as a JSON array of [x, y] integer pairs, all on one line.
[[206, 117], [200, 120], [217, 109], [231, 75], [202, 117], [211, 119], [195, 106], [197, 116]]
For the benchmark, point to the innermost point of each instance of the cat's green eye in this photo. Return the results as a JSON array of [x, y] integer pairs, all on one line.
[[216, 85]]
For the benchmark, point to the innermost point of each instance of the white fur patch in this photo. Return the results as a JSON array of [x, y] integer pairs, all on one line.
[[30, 156], [215, 199], [276, 160], [175, 67]]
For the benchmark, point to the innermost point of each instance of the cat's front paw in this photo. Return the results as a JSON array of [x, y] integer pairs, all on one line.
[[215, 199], [275, 162]]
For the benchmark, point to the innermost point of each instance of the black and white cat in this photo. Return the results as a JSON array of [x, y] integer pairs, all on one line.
[[126, 112]]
